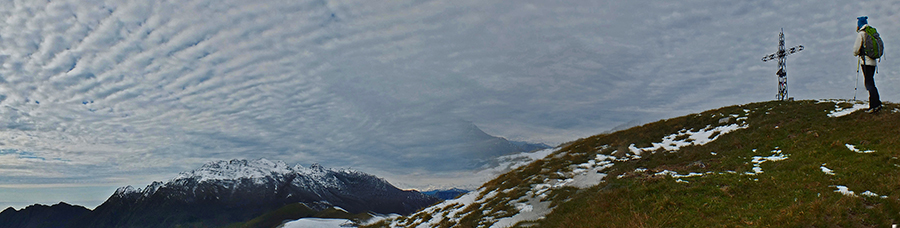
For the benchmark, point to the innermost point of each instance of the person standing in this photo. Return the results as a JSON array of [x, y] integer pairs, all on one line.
[[868, 64]]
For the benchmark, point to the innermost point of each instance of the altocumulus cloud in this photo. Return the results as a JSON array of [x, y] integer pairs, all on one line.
[[115, 92]]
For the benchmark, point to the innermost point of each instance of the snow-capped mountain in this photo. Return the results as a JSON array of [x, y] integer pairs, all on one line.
[[237, 169], [223, 192]]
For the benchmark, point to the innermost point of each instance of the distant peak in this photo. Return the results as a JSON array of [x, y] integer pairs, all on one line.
[[61, 204]]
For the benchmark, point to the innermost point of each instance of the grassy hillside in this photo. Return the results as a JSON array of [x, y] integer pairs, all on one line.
[[770, 164]]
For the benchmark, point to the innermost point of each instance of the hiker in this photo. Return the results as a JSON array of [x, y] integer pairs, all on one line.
[[867, 63]]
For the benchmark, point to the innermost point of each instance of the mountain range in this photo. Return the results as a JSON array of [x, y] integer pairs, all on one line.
[[58, 215], [226, 192]]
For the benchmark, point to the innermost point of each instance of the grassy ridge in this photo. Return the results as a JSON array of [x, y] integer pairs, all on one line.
[[793, 192]]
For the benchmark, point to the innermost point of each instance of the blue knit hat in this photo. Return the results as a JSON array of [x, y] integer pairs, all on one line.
[[861, 21]]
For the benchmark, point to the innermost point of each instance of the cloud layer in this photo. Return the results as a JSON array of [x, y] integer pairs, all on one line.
[[120, 92]]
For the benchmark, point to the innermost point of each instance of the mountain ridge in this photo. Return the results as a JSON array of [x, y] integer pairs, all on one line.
[[39, 216], [223, 192]]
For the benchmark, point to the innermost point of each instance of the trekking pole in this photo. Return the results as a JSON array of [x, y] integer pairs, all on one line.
[[857, 79]]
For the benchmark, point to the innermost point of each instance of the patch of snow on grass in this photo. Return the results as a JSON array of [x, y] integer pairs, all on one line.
[[590, 173], [758, 160], [535, 205], [872, 194], [838, 112], [535, 209], [437, 211], [826, 170], [854, 149], [844, 190], [531, 206], [698, 138], [634, 150], [524, 207], [674, 174]]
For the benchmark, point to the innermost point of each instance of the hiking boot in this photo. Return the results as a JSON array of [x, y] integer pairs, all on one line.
[[874, 110]]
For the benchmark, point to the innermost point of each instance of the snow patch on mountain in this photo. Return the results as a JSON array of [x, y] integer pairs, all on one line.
[[237, 169], [126, 190]]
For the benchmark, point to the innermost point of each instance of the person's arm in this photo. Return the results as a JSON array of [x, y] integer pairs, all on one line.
[[858, 44]]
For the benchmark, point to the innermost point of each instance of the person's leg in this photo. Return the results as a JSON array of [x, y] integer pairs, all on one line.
[[874, 99]]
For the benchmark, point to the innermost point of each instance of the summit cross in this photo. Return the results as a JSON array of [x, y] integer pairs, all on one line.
[[781, 55]]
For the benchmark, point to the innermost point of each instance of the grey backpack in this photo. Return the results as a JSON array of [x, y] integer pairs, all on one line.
[[872, 45]]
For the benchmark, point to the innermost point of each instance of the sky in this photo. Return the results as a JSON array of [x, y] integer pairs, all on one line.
[[95, 95]]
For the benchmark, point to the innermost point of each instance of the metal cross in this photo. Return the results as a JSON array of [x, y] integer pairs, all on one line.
[[781, 55]]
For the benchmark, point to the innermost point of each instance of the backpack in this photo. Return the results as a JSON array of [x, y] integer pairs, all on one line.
[[872, 45]]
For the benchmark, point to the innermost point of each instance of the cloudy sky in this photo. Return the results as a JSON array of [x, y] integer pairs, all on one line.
[[100, 94]]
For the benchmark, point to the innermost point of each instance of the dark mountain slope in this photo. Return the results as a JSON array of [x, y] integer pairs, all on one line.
[[41, 216]]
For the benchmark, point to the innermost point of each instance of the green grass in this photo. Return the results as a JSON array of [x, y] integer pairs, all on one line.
[[789, 193]]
